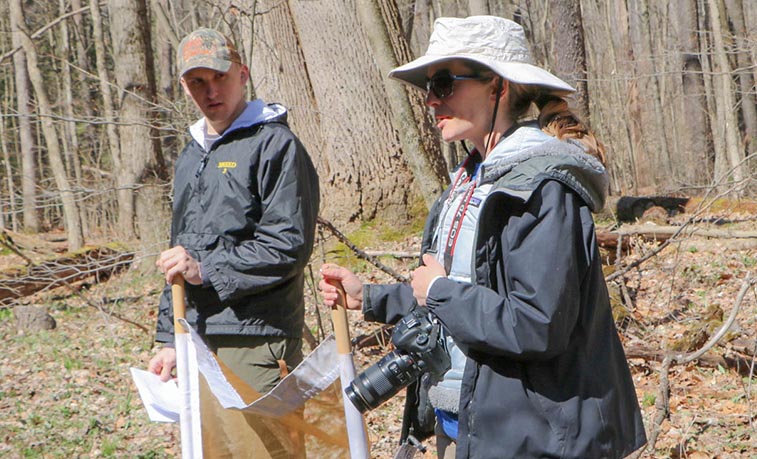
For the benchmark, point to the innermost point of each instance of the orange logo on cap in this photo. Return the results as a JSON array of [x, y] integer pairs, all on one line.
[[196, 47]]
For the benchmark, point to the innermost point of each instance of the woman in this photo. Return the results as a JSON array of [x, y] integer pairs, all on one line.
[[511, 266]]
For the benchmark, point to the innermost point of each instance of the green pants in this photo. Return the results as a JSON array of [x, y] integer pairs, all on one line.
[[255, 359]]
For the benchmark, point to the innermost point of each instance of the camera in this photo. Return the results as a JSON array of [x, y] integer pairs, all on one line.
[[420, 349]]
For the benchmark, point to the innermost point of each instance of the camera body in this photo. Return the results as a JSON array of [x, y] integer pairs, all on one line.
[[420, 349]]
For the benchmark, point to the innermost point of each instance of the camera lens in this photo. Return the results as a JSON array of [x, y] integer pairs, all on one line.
[[379, 382]]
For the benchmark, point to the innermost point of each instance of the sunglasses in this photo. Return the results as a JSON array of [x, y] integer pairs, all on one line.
[[442, 84]]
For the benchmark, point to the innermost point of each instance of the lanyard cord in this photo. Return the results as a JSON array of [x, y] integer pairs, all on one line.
[[456, 225]]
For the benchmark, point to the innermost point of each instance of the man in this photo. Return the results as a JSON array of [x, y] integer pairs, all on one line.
[[245, 205]]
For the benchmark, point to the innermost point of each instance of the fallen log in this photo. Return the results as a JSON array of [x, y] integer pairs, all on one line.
[[98, 263], [737, 240]]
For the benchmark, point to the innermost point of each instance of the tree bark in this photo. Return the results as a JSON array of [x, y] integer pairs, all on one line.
[[26, 139], [380, 20], [654, 126], [743, 58], [569, 50], [694, 163], [139, 152], [728, 167], [108, 109], [70, 209], [11, 186], [70, 137], [363, 171]]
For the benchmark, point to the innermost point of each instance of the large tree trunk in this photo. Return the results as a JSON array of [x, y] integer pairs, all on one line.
[[695, 152], [569, 51], [26, 139], [139, 153], [653, 128], [420, 145], [70, 209], [361, 166]]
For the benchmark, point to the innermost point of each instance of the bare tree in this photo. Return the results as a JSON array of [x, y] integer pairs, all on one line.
[[730, 158], [70, 140], [52, 141], [694, 165], [743, 63], [139, 150], [26, 139]]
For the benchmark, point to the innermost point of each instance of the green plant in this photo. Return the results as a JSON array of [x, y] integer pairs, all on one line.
[[649, 400]]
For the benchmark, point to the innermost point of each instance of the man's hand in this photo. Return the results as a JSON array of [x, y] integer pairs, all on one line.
[[352, 285], [423, 275], [163, 363], [177, 260]]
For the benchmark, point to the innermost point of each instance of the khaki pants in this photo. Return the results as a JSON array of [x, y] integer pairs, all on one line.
[[260, 361]]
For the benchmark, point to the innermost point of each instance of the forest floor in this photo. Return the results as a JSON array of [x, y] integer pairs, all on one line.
[[67, 392]]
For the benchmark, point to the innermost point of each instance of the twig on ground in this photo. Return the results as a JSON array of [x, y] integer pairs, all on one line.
[[662, 406], [360, 253]]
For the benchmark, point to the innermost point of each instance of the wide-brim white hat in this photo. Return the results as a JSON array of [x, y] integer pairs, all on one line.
[[495, 42]]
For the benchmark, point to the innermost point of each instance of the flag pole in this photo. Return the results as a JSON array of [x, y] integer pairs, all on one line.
[[356, 433], [187, 378]]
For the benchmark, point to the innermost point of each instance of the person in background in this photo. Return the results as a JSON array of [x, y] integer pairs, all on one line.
[[510, 262], [245, 203]]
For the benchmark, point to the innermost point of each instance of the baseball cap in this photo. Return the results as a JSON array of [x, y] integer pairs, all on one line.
[[206, 48]]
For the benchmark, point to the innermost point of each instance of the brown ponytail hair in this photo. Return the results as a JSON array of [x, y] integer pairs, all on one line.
[[555, 118]]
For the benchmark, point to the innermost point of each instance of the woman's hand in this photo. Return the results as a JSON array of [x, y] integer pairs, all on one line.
[[352, 285], [423, 275]]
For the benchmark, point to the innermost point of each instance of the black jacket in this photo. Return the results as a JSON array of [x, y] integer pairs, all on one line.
[[247, 212], [546, 376]]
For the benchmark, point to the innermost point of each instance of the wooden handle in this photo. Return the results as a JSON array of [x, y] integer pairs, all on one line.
[[339, 317], [179, 306]]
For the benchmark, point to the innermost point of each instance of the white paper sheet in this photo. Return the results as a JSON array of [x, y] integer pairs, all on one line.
[[161, 399]]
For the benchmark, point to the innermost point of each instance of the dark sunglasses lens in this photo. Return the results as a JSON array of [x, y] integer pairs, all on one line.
[[441, 85]]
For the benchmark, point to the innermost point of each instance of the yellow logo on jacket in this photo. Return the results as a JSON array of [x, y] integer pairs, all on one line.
[[226, 165]]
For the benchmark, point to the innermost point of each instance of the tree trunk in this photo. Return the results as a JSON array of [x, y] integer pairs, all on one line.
[[728, 166], [477, 7], [70, 209], [26, 139], [420, 143], [139, 152], [693, 165], [70, 139], [363, 171], [11, 187], [569, 51], [108, 109], [744, 62], [654, 130]]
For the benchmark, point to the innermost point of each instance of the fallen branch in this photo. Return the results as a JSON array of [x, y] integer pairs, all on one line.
[[665, 232], [360, 254], [100, 263]]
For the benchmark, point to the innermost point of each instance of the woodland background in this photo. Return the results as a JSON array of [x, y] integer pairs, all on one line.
[[93, 118]]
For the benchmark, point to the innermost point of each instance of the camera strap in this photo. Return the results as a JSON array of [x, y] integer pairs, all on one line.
[[457, 223]]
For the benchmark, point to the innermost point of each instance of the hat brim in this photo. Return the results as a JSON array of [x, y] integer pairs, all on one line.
[[204, 62], [414, 73]]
